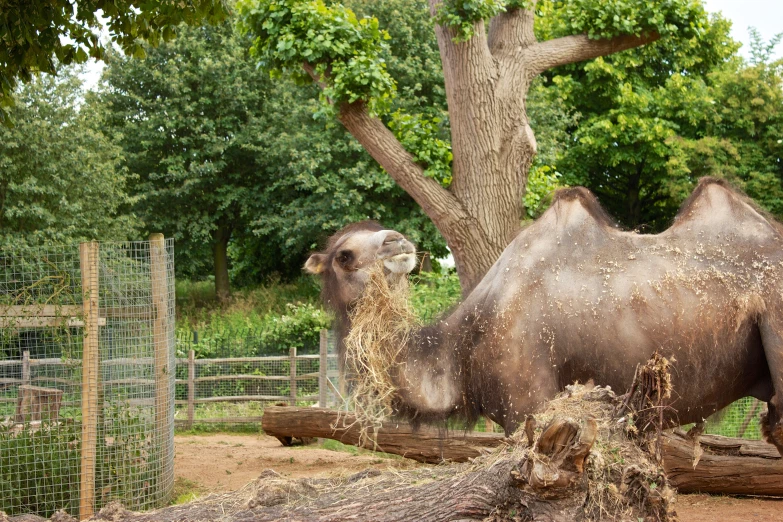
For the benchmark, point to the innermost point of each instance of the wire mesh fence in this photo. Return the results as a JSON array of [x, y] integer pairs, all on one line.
[[740, 419], [86, 348], [234, 390]]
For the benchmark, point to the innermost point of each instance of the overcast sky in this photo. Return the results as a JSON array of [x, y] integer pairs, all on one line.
[[764, 15]]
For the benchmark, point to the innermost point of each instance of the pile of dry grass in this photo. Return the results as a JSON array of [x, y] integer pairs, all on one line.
[[382, 322]]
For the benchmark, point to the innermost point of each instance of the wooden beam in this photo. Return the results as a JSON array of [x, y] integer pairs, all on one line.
[[88, 262], [164, 371], [45, 322], [40, 310]]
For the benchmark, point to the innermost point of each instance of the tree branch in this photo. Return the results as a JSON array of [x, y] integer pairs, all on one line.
[[438, 203], [578, 47]]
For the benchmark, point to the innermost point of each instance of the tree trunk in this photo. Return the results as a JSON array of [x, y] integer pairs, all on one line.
[[547, 483], [220, 251], [544, 475]]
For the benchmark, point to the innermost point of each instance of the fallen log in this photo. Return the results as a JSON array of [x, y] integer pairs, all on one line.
[[726, 465], [423, 445], [713, 464]]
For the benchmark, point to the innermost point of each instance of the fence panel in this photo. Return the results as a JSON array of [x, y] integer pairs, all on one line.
[[234, 390], [86, 349]]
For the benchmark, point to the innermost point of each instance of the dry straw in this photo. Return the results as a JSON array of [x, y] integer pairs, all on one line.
[[382, 322]]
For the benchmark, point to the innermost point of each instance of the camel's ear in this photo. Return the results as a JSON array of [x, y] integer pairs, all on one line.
[[316, 264]]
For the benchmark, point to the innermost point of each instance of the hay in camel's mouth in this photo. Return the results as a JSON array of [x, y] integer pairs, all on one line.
[[375, 348]]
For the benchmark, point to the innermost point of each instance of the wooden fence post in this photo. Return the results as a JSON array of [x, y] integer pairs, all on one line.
[[88, 263], [292, 364], [164, 414], [26, 378], [191, 387], [322, 369]]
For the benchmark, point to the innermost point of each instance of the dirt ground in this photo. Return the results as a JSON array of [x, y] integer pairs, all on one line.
[[226, 462]]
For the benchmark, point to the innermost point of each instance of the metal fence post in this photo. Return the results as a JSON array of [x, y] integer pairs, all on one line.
[[322, 369], [191, 387], [292, 358]]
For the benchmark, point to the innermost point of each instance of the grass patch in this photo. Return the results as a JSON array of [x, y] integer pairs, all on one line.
[[220, 427], [335, 445], [185, 491]]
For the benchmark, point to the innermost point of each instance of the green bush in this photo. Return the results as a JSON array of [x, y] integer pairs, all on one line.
[[40, 468], [433, 294], [269, 334], [197, 307]]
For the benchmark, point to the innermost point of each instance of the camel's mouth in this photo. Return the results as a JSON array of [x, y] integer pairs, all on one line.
[[401, 263]]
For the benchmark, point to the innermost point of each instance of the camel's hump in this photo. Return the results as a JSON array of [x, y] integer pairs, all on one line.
[[715, 205], [575, 210]]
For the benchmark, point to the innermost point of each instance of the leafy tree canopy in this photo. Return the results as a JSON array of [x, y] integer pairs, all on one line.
[[654, 119], [60, 175], [217, 146], [36, 35], [188, 118], [632, 106]]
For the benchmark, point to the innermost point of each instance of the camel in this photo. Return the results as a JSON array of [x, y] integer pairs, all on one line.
[[576, 298]]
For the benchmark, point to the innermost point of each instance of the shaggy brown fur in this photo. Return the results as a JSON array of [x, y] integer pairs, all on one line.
[[573, 297]]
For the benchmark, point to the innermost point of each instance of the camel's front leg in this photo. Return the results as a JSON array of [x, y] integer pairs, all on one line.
[[772, 338]]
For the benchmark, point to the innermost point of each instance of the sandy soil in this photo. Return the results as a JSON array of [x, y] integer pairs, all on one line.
[[224, 462], [708, 508]]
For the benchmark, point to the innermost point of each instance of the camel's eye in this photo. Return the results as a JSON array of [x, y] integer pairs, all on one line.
[[344, 258], [393, 238]]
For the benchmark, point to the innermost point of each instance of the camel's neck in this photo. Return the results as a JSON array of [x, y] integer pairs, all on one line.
[[430, 378]]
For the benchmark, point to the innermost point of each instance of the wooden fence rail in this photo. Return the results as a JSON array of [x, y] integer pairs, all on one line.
[[293, 376]]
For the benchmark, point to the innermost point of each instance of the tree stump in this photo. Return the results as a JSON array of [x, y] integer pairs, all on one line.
[[38, 404]]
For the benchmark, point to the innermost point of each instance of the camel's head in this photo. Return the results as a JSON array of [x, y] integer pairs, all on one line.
[[353, 249]]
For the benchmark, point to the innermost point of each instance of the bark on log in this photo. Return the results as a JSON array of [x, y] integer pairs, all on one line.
[[725, 465], [423, 445]]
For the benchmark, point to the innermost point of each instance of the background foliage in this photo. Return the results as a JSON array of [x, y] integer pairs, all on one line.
[[37, 35], [60, 173]]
